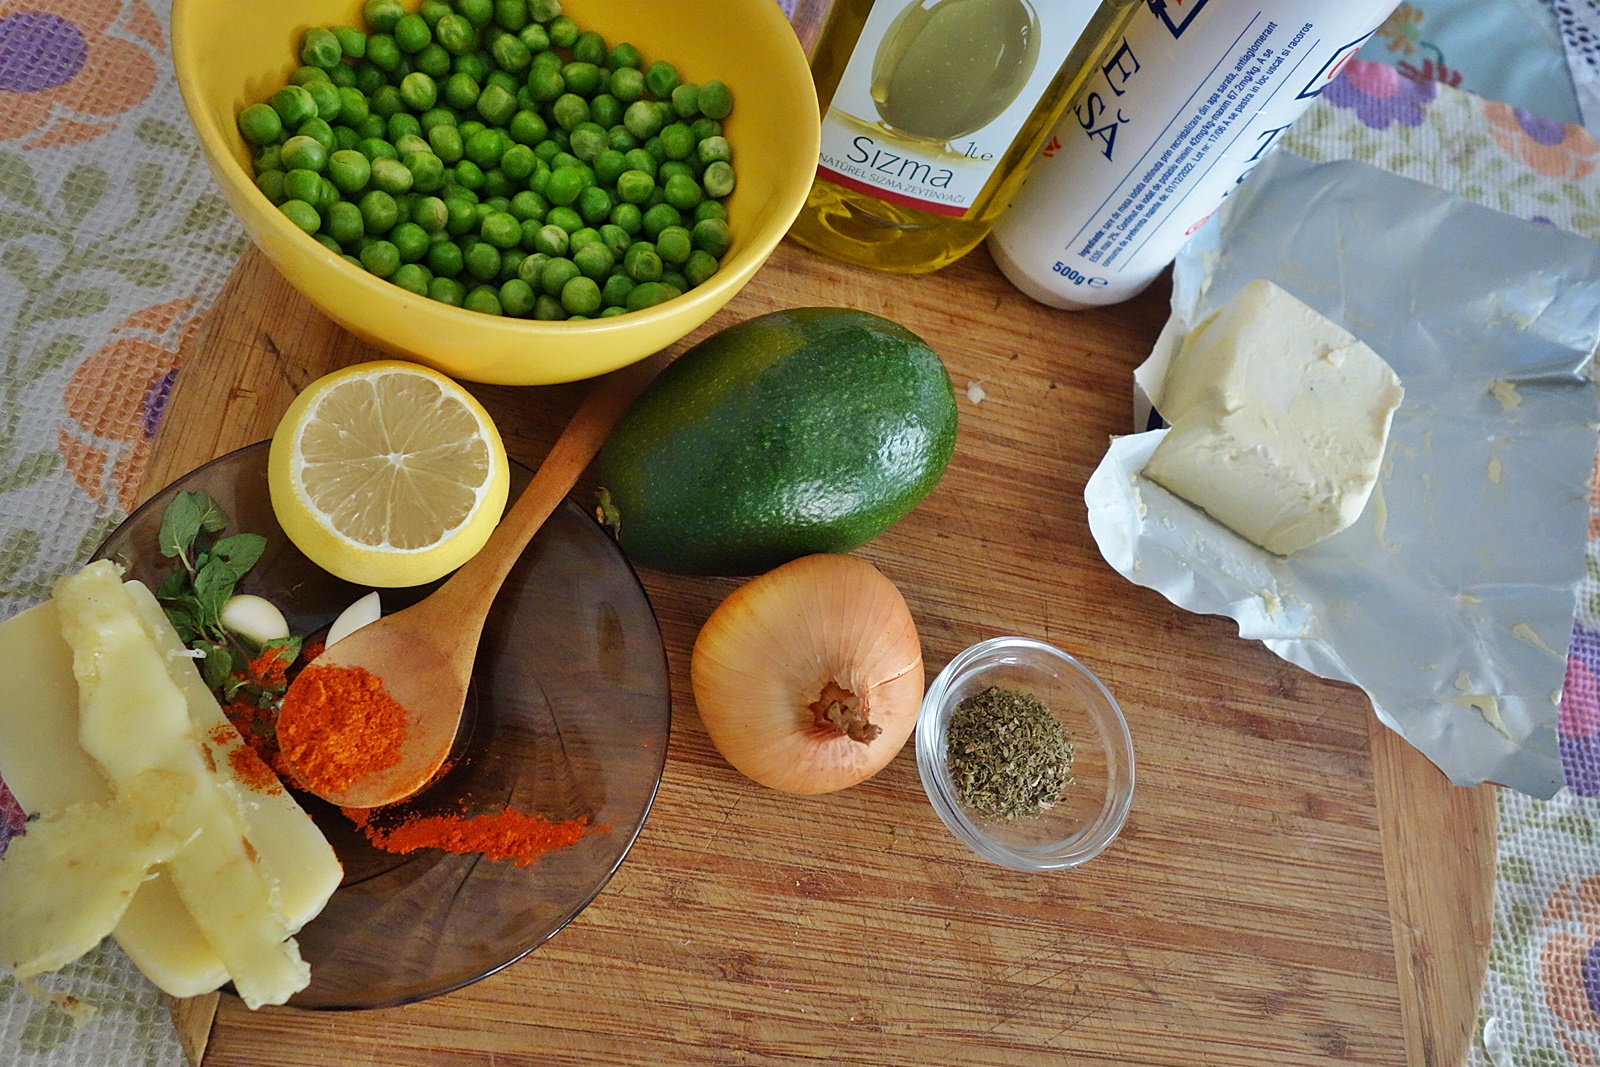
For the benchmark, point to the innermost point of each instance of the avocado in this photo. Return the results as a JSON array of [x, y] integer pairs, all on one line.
[[795, 432]]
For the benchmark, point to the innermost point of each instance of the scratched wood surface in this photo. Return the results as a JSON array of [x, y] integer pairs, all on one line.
[[1295, 885]]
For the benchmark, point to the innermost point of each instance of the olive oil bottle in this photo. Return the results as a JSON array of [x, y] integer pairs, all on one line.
[[932, 110]]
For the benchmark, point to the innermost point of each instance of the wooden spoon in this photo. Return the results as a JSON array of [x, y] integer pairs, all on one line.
[[423, 654]]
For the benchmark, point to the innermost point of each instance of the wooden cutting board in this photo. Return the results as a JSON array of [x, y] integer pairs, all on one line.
[[1295, 886]]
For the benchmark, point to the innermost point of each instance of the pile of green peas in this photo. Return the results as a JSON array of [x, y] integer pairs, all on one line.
[[492, 155]]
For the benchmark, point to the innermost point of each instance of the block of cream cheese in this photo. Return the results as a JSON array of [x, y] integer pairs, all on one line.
[[1279, 419]]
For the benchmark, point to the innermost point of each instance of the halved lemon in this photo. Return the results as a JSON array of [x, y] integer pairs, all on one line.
[[387, 474]]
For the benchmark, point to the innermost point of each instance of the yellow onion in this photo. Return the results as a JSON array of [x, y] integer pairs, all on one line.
[[809, 678]]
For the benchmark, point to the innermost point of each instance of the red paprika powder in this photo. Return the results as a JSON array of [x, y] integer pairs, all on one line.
[[339, 725]]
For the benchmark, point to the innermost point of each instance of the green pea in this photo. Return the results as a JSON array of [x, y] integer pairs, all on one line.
[[512, 15], [564, 185], [461, 90], [446, 144], [304, 152], [269, 158], [517, 297], [444, 259], [595, 260], [564, 218], [446, 291], [497, 104], [294, 104], [427, 171], [381, 15], [683, 192], [413, 278], [532, 267], [715, 100], [673, 245], [456, 34], [469, 175], [661, 77], [342, 221], [412, 34], [588, 141], [260, 124], [547, 308], [658, 218], [710, 209], [349, 171], [483, 300], [675, 281], [544, 10], [463, 216], [383, 52], [627, 85], [712, 236], [376, 148], [502, 230], [436, 116], [380, 258], [528, 205], [402, 124], [410, 241], [433, 61], [642, 263], [484, 148], [546, 84], [391, 176], [344, 75], [320, 48], [386, 102], [352, 41], [535, 37], [479, 12], [431, 214], [614, 292], [718, 178], [379, 212], [594, 205], [528, 127], [353, 107], [302, 215], [656, 149], [563, 31], [271, 183], [642, 119], [686, 100], [482, 261], [369, 77], [569, 109], [713, 149], [419, 91], [635, 187], [649, 294], [557, 272], [628, 218], [329, 243], [677, 141], [703, 127], [551, 240], [319, 131], [345, 139], [373, 126], [512, 55], [581, 296]]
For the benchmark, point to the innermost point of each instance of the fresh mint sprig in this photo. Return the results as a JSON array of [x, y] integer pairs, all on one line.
[[193, 596]]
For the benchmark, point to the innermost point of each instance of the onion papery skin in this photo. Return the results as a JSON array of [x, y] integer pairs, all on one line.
[[768, 652]]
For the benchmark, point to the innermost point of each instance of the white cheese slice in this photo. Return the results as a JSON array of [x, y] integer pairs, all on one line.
[[1279, 419], [66, 883], [133, 718]]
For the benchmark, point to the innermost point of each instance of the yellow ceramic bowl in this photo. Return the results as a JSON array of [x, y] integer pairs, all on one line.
[[229, 55]]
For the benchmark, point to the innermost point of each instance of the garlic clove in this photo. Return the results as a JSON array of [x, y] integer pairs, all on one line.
[[368, 609], [254, 619]]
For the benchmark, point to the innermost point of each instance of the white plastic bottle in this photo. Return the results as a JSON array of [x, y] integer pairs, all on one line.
[[1196, 94]]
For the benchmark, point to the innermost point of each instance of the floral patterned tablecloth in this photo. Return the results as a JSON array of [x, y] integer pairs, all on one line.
[[114, 243]]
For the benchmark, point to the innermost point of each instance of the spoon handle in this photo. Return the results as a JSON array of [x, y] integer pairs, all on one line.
[[580, 441]]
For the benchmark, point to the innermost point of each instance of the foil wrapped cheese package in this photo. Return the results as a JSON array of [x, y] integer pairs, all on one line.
[[1279, 419]]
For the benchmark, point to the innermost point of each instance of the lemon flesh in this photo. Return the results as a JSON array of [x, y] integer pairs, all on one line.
[[387, 474]]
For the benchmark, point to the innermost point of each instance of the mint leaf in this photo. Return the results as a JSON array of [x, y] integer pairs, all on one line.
[[185, 517], [218, 665], [239, 552], [213, 585]]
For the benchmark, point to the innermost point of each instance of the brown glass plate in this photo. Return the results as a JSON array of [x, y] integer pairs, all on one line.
[[567, 716]]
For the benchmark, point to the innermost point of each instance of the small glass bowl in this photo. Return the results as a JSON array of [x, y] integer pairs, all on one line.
[[1092, 810]]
